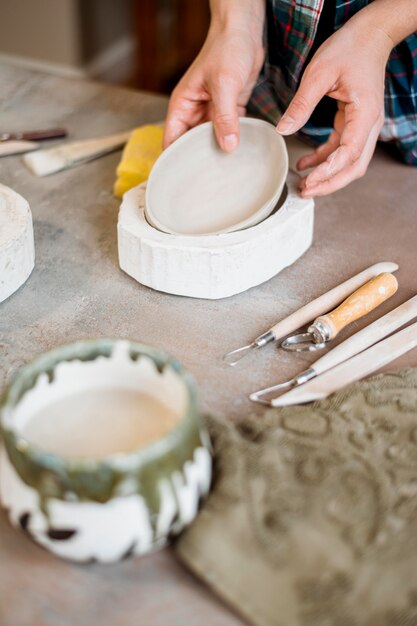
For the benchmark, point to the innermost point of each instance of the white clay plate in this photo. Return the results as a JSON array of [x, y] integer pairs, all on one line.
[[197, 189]]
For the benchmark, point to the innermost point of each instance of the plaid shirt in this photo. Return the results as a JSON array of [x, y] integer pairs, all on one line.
[[292, 27]]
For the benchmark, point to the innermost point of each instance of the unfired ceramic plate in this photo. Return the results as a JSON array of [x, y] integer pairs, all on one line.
[[197, 189]]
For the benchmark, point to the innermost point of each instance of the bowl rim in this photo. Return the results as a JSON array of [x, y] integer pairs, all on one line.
[[124, 463], [258, 216]]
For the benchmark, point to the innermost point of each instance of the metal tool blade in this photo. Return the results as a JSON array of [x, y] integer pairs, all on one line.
[[233, 357], [353, 369]]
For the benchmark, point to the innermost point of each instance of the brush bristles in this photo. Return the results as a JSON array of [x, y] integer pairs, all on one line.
[[44, 162]]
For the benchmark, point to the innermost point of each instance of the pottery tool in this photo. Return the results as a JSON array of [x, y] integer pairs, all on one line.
[[361, 340], [353, 369], [357, 305], [8, 148], [34, 135], [17, 250], [45, 162], [311, 310]]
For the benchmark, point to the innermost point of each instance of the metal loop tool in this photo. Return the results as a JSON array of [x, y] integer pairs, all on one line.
[[357, 343], [357, 305], [309, 311]]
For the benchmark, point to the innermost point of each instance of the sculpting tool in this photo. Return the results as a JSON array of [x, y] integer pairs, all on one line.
[[45, 162], [316, 307], [353, 369], [361, 340], [357, 305], [34, 135]]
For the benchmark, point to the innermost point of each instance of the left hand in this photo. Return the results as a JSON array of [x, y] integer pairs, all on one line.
[[349, 67]]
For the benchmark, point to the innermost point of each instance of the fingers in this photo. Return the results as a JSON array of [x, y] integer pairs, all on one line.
[[225, 94], [312, 88], [346, 175], [356, 131], [360, 125], [173, 129], [183, 114], [187, 109], [320, 154]]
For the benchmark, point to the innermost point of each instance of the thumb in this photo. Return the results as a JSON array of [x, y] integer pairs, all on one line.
[[309, 94], [225, 117]]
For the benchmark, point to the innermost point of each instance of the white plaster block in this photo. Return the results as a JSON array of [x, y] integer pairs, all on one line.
[[212, 266], [17, 250]]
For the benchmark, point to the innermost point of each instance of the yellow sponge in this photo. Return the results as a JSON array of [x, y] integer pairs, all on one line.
[[139, 155]]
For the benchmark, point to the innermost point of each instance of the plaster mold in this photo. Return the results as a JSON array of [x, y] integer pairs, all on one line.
[[213, 266], [17, 250]]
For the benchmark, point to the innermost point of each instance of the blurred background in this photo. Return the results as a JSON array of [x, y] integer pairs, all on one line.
[[146, 44]]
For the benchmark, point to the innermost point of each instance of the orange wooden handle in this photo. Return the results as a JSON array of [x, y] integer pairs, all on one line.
[[360, 302]]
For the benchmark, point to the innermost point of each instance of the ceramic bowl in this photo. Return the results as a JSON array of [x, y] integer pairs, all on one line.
[[197, 189], [84, 470]]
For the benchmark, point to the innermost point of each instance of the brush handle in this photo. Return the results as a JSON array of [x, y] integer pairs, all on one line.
[[357, 305], [327, 301], [52, 160], [91, 148], [35, 135]]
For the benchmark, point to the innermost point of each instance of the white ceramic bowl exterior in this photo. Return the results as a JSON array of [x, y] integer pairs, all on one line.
[[121, 505], [197, 189], [214, 266]]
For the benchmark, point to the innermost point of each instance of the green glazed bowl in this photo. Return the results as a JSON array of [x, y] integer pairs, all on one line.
[[104, 452]]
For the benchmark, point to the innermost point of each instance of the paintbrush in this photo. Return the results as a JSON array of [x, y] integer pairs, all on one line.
[[34, 135], [45, 162]]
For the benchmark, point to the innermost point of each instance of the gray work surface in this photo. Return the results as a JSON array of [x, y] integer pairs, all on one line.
[[77, 290]]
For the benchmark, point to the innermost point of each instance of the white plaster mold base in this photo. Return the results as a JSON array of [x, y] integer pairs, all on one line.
[[213, 266], [17, 250]]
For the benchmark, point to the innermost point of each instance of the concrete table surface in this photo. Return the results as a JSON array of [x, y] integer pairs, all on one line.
[[77, 290]]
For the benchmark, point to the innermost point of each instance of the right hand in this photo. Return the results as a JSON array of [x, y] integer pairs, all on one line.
[[217, 86]]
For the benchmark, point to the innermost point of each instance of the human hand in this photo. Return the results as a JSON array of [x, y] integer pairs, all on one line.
[[218, 84], [349, 67]]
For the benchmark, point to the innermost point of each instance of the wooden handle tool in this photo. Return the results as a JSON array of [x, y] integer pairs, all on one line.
[[357, 305], [311, 310], [363, 339]]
